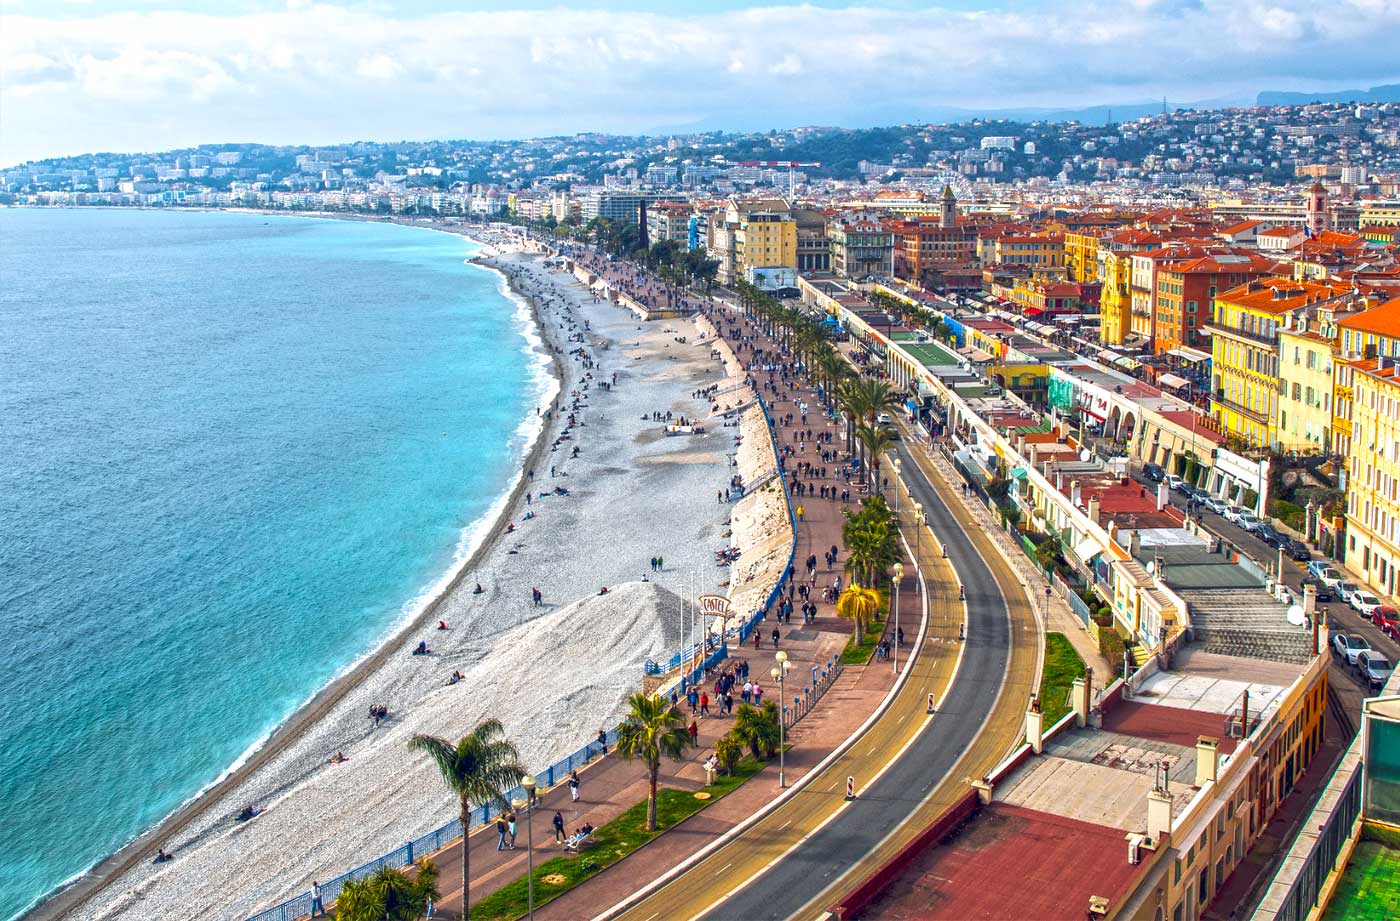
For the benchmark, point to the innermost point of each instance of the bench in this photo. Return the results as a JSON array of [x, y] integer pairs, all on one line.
[[576, 842]]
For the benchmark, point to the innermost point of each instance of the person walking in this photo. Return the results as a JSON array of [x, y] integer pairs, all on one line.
[[317, 907], [510, 826], [500, 833], [704, 705], [603, 740], [559, 836], [694, 730], [573, 785]]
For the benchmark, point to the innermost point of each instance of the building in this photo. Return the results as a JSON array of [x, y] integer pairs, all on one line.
[[1309, 346], [1186, 289], [1244, 353], [616, 205], [1038, 252], [813, 247], [1371, 348], [925, 249], [860, 247]]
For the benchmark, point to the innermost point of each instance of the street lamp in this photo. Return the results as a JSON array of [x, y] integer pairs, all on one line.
[[918, 527], [898, 577], [527, 802], [779, 674]]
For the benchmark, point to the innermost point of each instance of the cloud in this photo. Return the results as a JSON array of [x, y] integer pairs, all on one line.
[[317, 72]]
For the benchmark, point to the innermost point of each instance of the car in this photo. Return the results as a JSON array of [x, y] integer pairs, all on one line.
[[1266, 533], [1215, 504], [883, 419], [1324, 591], [1345, 590], [1297, 551], [1153, 472], [1364, 601], [1349, 647], [1248, 522], [1319, 569], [1176, 482], [1388, 620], [1373, 668]]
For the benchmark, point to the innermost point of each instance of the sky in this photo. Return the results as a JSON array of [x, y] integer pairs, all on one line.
[[130, 75]]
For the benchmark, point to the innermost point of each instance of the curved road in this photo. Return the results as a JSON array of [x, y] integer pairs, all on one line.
[[908, 767]]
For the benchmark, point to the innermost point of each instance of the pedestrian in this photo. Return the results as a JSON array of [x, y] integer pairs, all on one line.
[[776, 636], [900, 633], [660, 563], [317, 907], [573, 785], [603, 739], [559, 836], [510, 825], [500, 833], [694, 730]]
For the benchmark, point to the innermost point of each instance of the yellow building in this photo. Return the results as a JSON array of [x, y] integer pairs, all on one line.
[[1038, 252], [1115, 302], [1307, 349], [1082, 255], [764, 239], [1372, 340], [1244, 356]]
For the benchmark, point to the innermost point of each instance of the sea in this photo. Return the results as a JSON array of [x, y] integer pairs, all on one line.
[[236, 451]]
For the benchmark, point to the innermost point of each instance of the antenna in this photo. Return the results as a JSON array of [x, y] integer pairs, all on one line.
[[1164, 105]]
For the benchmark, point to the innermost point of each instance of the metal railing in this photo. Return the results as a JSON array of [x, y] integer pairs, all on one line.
[[1320, 861]]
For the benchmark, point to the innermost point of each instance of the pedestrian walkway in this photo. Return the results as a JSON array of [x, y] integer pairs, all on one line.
[[611, 786]]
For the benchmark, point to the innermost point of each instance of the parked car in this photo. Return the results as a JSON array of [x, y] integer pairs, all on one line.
[[1345, 590], [1373, 668], [1249, 522], [1297, 550], [1324, 591], [1215, 504], [1364, 601], [1154, 472], [1175, 482], [1388, 619], [1349, 647], [1319, 569]]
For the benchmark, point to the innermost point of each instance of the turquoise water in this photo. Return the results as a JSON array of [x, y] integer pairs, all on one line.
[[234, 450]]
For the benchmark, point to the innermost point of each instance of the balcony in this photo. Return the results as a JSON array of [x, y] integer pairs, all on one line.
[[1270, 341], [1256, 415]]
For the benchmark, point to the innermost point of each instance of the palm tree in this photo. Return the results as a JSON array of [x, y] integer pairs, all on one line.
[[757, 727], [872, 541], [875, 441], [859, 604], [389, 894], [480, 767], [653, 728]]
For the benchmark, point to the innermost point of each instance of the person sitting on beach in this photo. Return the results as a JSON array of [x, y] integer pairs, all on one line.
[[478, 590], [247, 813], [456, 677], [442, 625], [510, 528], [422, 649], [603, 590], [162, 855], [337, 758]]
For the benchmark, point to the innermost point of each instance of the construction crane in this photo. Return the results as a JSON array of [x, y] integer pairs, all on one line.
[[792, 167]]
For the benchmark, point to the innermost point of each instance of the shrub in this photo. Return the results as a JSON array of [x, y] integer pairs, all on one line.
[[1288, 513]]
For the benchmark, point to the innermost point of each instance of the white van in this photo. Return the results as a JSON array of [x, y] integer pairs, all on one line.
[[883, 419]]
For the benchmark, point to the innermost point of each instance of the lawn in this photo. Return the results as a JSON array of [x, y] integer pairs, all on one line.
[[1062, 666], [609, 844]]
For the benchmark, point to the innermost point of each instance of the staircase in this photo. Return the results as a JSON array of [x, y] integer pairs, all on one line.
[[1249, 629]]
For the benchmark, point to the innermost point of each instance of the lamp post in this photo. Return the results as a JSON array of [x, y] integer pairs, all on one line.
[[895, 464], [527, 802], [898, 577], [779, 673]]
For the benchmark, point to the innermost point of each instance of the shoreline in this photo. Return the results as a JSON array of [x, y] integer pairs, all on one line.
[[90, 882]]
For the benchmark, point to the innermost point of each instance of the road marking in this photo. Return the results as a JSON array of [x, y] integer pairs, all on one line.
[[785, 825]]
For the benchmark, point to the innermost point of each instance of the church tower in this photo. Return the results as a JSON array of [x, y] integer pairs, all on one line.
[[1318, 218], [948, 214]]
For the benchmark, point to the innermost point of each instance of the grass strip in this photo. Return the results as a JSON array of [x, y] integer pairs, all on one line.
[[1062, 666], [609, 844]]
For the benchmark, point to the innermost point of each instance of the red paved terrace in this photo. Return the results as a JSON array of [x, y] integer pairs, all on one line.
[[1167, 724], [1012, 863]]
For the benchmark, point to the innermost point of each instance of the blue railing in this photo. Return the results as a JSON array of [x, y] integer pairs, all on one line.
[[434, 840], [420, 847]]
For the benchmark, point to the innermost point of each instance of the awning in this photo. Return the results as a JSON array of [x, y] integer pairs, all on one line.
[[1173, 380], [1087, 549], [1018, 473], [1188, 354], [1124, 361]]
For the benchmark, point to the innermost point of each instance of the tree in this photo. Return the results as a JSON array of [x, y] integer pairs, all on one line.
[[653, 728], [480, 767], [872, 541], [389, 894], [728, 750], [859, 604], [757, 727], [874, 441]]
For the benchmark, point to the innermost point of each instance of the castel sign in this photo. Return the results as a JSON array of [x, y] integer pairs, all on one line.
[[714, 606]]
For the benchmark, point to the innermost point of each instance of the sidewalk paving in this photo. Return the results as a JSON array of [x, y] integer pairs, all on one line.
[[610, 785]]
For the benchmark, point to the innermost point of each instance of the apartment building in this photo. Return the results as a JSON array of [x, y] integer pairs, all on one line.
[[860, 247]]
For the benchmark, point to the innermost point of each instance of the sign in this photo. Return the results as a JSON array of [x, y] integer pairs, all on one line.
[[714, 606]]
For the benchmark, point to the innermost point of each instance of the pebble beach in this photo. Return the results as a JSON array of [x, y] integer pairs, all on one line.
[[553, 673]]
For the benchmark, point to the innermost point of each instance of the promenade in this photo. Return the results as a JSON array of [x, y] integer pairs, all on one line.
[[610, 785]]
